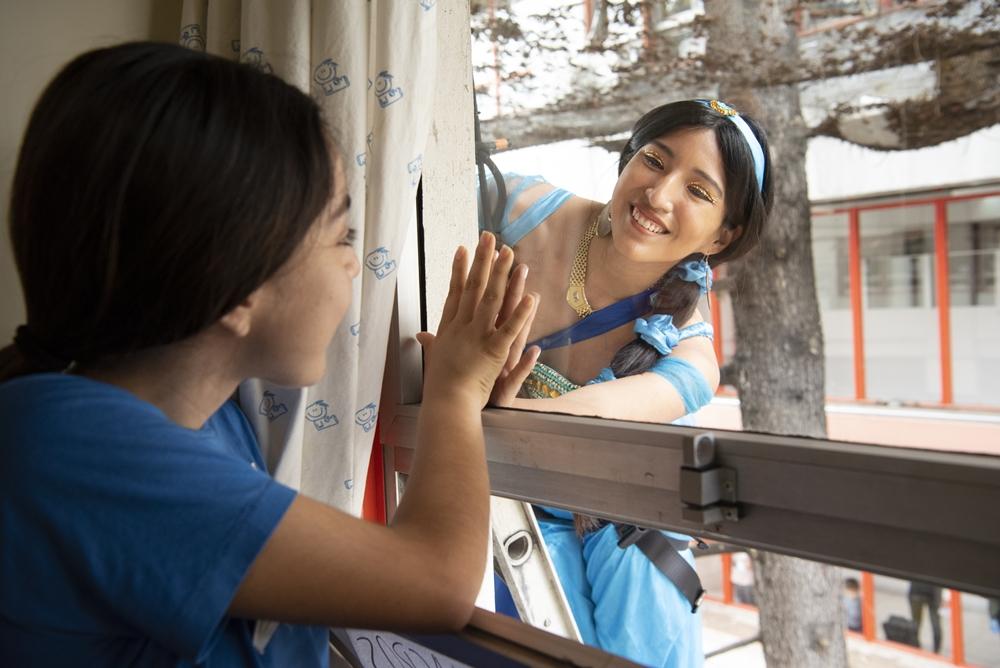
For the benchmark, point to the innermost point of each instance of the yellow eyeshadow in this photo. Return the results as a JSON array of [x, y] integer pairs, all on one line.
[[703, 191], [652, 156]]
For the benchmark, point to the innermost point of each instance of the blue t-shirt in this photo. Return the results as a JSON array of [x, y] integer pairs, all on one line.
[[124, 536]]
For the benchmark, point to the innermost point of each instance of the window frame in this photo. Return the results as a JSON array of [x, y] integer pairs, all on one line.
[[907, 513]]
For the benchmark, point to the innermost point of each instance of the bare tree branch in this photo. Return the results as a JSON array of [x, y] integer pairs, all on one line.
[[958, 41]]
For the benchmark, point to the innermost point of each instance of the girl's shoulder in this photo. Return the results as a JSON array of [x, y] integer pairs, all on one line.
[[62, 415], [60, 404]]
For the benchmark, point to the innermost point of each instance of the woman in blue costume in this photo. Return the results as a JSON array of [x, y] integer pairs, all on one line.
[[179, 223], [618, 333]]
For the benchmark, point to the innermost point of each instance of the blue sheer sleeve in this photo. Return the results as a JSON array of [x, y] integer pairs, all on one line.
[[511, 231]]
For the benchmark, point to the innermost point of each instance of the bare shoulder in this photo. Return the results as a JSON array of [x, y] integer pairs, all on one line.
[[563, 228]]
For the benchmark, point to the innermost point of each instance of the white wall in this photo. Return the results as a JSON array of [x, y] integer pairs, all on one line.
[[838, 170], [36, 39]]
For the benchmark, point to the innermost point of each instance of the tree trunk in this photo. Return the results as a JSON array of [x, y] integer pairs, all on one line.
[[779, 357], [798, 604], [598, 25]]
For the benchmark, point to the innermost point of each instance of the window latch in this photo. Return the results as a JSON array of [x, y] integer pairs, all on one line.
[[708, 492]]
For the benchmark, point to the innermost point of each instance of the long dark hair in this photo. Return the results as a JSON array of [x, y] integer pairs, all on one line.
[[746, 206], [155, 189]]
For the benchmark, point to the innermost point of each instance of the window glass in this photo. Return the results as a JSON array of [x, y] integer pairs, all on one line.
[[833, 290], [897, 247], [973, 251], [561, 87], [974, 263], [903, 361], [830, 258], [978, 615], [933, 619]]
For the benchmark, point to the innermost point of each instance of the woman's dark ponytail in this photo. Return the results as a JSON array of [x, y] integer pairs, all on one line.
[[13, 363], [675, 297], [30, 355]]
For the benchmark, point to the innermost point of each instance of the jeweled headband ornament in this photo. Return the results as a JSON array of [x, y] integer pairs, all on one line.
[[756, 151]]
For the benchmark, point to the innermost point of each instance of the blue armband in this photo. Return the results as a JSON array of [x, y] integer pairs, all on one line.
[[689, 382], [697, 329], [604, 376]]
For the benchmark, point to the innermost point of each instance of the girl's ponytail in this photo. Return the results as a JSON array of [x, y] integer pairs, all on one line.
[[28, 355]]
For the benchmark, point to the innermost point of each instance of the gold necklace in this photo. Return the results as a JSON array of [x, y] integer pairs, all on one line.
[[576, 295]]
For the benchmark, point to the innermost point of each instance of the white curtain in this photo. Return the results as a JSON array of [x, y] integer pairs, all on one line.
[[371, 66]]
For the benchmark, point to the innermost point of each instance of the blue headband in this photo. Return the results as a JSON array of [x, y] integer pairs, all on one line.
[[755, 149]]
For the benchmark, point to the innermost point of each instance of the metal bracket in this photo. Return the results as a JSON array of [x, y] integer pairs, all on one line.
[[708, 492], [630, 535]]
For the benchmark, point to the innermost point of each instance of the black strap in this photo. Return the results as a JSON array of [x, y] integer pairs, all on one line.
[[664, 552], [660, 549], [630, 533]]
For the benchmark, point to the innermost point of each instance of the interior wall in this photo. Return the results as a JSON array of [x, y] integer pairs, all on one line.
[[36, 39]]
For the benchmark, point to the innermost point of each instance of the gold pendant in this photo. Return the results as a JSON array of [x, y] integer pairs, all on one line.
[[577, 299]]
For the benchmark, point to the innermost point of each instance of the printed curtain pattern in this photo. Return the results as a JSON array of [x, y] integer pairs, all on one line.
[[371, 66]]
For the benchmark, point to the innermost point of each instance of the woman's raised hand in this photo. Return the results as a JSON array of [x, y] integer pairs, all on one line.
[[519, 362], [474, 341]]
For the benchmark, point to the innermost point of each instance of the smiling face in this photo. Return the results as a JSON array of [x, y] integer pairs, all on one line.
[[302, 305], [669, 200]]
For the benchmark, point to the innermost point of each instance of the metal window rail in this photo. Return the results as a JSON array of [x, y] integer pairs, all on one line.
[[908, 513]]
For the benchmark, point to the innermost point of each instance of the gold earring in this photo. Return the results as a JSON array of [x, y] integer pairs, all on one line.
[[604, 221]]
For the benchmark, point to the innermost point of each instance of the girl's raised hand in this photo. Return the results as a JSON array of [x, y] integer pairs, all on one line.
[[472, 344]]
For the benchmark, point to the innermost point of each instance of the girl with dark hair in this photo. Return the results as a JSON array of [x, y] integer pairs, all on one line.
[[174, 216], [618, 335]]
